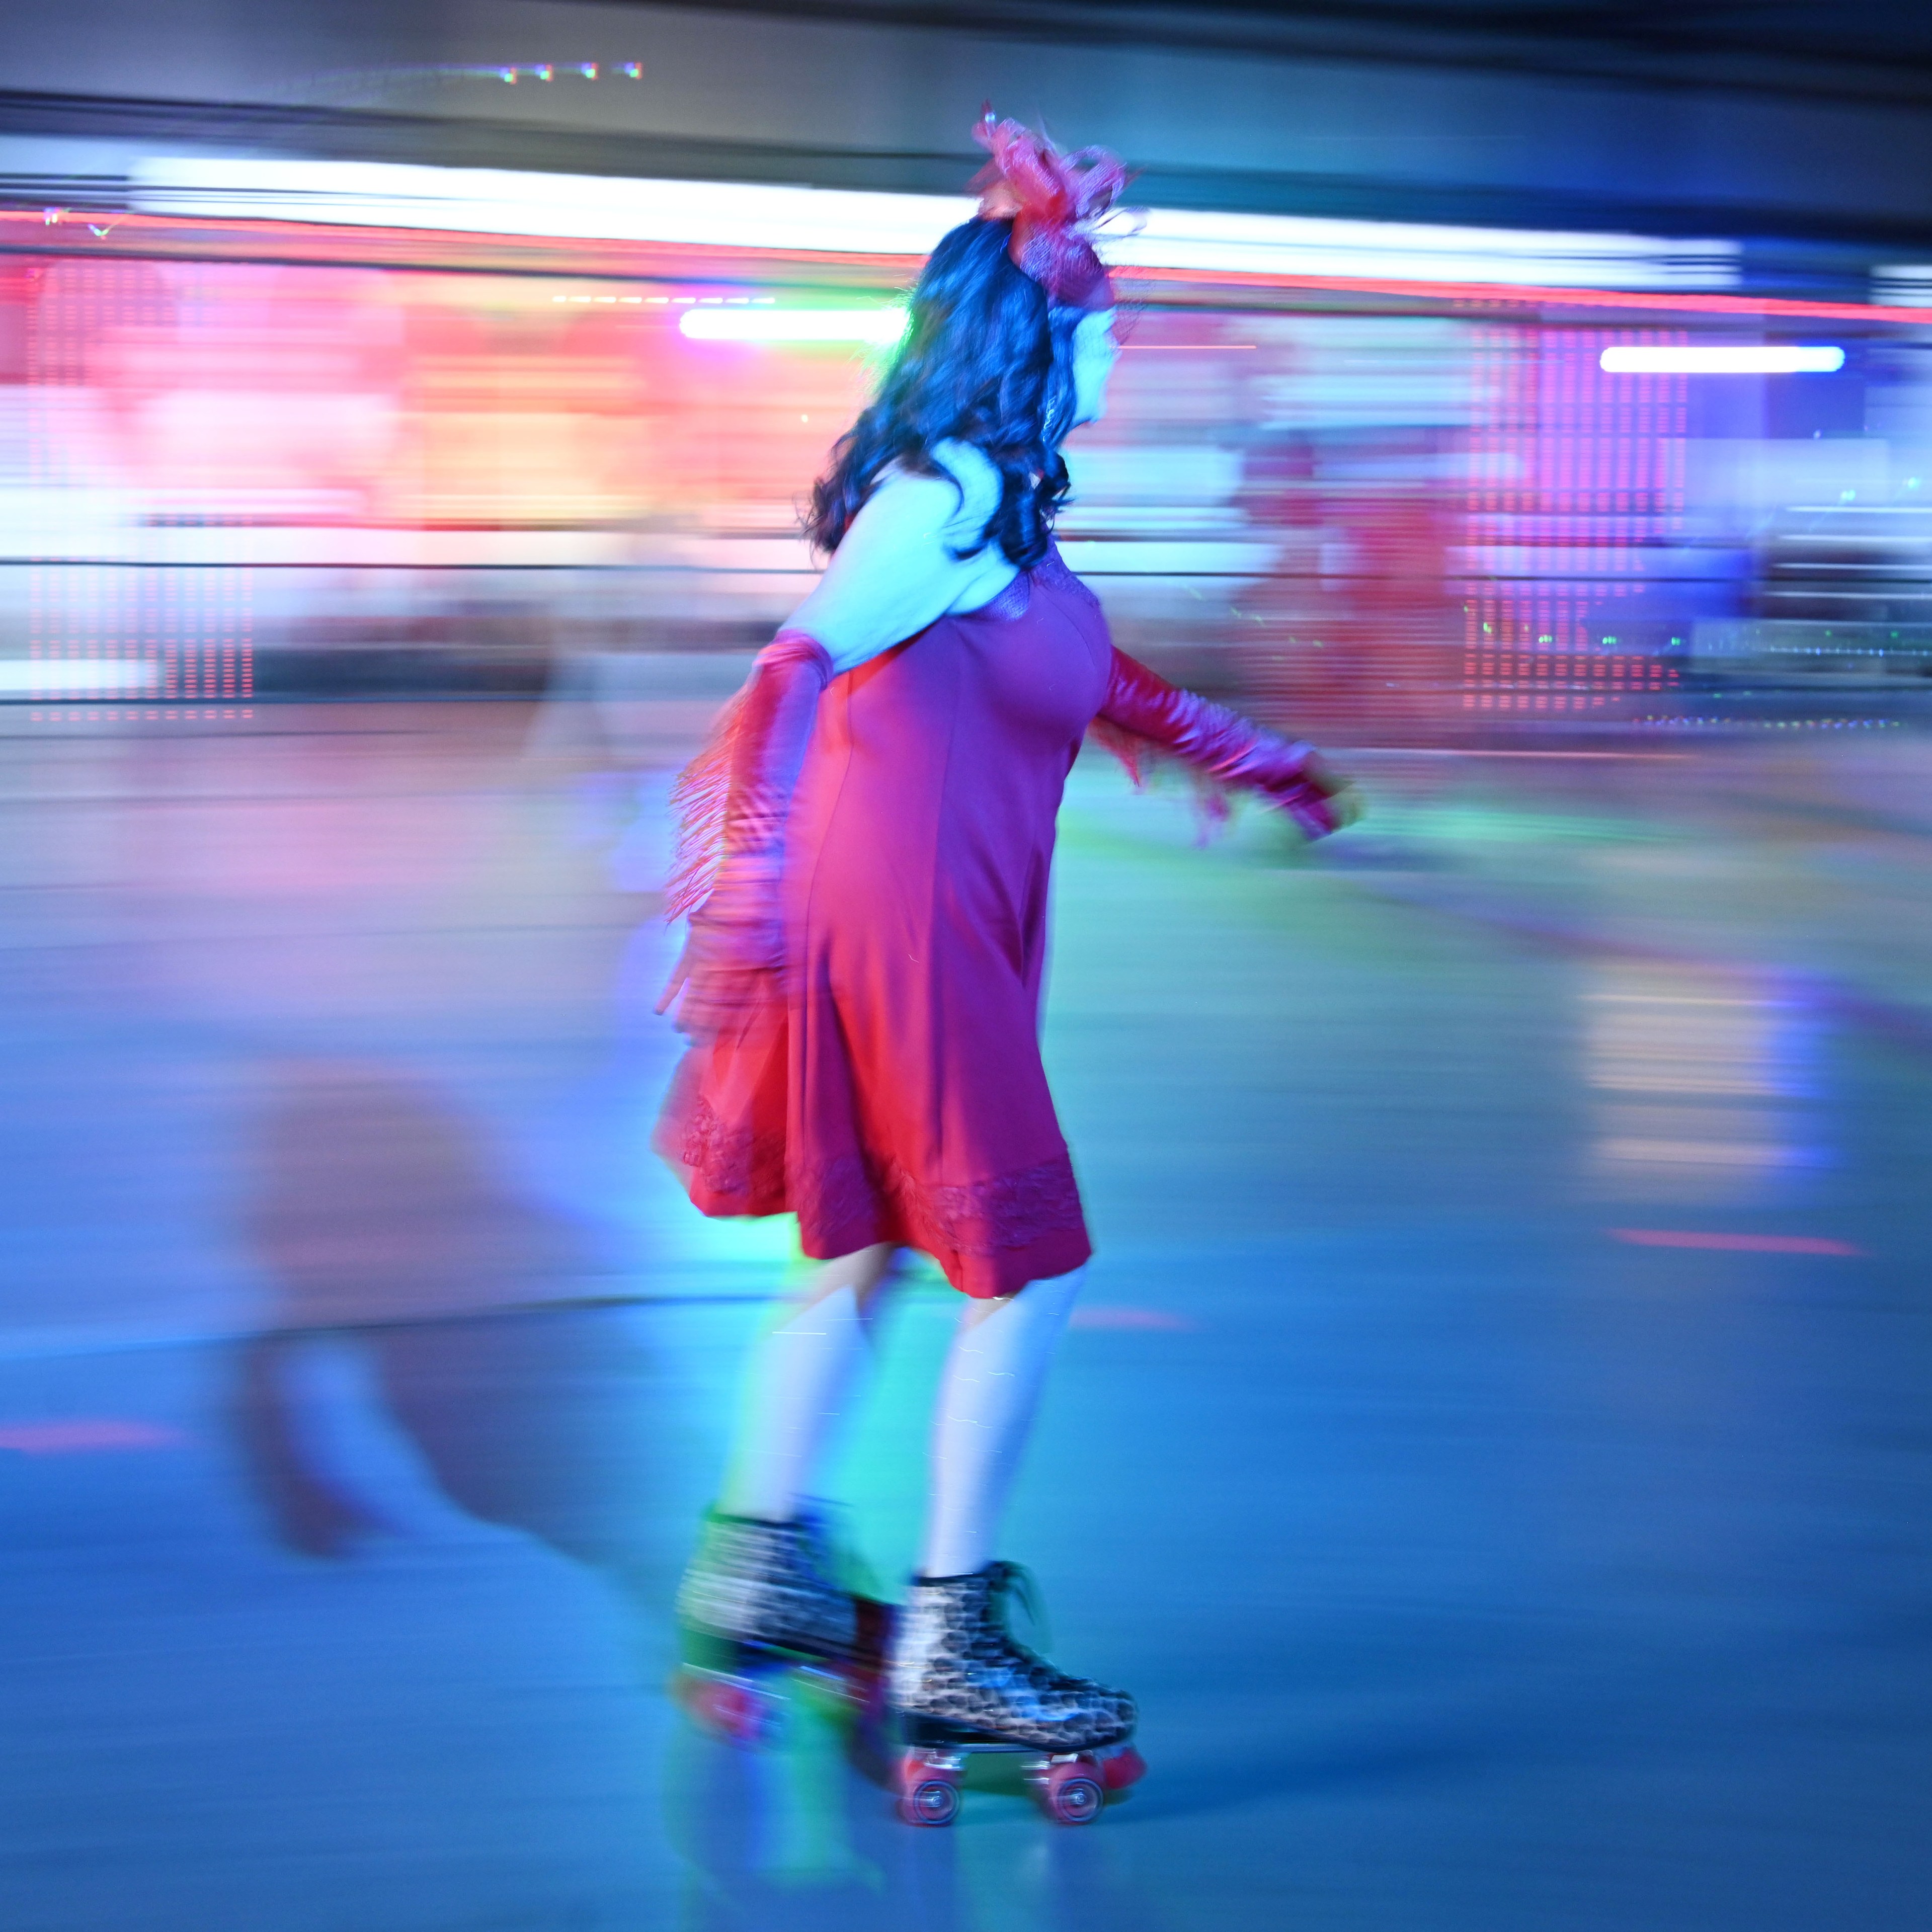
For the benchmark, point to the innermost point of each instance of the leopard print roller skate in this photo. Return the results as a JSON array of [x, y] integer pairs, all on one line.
[[961, 1684], [760, 1608]]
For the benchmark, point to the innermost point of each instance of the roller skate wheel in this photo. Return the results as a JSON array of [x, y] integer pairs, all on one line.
[[1120, 1769], [929, 1794], [1072, 1794], [740, 1713]]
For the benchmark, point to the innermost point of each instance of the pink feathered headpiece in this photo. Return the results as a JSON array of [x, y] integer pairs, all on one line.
[[1054, 200]]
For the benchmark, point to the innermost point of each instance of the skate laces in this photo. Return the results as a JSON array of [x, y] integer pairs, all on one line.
[[1005, 1581], [833, 1556]]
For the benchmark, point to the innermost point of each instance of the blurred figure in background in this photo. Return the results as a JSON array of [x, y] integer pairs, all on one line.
[[1353, 631], [384, 1226], [863, 975]]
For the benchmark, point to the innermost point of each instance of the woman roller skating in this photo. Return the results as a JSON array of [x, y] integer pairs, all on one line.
[[868, 844]]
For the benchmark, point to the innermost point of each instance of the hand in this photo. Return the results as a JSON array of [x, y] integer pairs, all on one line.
[[1318, 800], [735, 797], [679, 973], [717, 993], [1230, 750]]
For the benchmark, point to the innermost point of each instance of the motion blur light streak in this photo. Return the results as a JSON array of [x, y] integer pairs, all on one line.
[[1705, 1077], [880, 326], [497, 201], [1749, 1244], [1165, 238], [1901, 284], [1100, 1315], [77, 1436], [739, 215], [1720, 359], [75, 675], [1360, 523]]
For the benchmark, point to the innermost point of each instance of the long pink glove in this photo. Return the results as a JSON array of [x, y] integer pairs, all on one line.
[[1220, 744], [735, 797]]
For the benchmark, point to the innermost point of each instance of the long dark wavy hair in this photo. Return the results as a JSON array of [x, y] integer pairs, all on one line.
[[986, 359]]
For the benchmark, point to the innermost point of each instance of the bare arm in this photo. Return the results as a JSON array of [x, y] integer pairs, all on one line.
[[895, 573]]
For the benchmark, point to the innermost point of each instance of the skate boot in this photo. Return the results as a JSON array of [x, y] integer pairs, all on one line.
[[760, 1607], [960, 1684]]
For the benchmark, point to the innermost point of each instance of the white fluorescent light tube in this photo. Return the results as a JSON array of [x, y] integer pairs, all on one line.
[[1166, 238], [501, 201], [55, 676], [1720, 359], [880, 326], [737, 214], [1902, 284]]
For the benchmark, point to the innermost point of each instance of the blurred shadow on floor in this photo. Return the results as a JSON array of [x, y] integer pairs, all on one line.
[[382, 1222], [796, 1837]]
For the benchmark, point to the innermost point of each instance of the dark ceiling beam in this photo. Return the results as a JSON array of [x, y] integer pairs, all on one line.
[[352, 135], [1554, 44]]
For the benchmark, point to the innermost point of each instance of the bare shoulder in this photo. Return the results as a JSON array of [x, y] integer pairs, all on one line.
[[899, 566], [908, 502], [950, 507], [977, 477]]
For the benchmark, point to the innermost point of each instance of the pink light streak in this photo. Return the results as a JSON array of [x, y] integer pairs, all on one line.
[[81, 1435], [1749, 1244], [1101, 1315], [321, 241]]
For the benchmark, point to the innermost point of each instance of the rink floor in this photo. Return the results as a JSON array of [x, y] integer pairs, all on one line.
[[1494, 1448]]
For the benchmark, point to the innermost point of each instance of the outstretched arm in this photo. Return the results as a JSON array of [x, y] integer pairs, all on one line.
[[1225, 746]]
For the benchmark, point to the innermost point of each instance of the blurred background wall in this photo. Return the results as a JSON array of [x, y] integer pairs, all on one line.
[[279, 417], [1795, 121]]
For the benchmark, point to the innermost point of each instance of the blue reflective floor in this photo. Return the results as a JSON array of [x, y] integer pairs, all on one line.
[[1494, 1447]]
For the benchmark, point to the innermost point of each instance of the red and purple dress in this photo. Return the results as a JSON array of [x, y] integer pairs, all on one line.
[[887, 1085]]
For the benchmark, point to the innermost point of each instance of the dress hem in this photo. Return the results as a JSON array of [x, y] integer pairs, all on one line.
[[991, 1237]]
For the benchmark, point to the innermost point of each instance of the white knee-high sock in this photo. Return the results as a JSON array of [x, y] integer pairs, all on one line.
[[796, 1386], [988, 1394]]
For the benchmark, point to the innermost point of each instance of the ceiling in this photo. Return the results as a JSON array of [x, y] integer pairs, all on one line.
[[1880, 49]]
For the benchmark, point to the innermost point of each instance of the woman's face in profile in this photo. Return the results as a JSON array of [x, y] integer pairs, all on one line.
[[1095, 352]]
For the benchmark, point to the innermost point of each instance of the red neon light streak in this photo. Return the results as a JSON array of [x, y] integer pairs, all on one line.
[[356, 242]]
